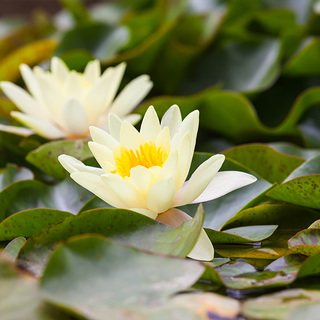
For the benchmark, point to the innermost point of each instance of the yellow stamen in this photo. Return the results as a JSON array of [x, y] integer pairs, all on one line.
[[148, 155]]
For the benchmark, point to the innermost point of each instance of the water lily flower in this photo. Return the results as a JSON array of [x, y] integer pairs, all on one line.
[[64, 103], [146, 171]]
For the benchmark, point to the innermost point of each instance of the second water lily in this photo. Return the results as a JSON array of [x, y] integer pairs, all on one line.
[[146, 171]]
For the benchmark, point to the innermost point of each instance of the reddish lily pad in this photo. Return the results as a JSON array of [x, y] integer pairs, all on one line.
[[306, 242]]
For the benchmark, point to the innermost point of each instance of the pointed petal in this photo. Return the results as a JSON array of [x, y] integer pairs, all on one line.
[[73, 86], [59, 69], [92, 71], [103, 155], [161, 195], [203, 249], [21, 131], [75, 118], [163, 139], [130, 136], [170, 167], [114, 124], [131, 95], [150, 126], [23, 100], [72, 164], [44, 129], [94, 184], [199, 180], [172, 119], [31, 81], [223, 183], [102, 137], [133, 118], [124, 191]]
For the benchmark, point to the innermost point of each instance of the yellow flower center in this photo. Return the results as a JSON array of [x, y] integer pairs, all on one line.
[[148, 155]]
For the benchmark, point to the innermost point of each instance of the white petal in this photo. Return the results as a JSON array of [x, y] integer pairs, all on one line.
[[94, 183], [150, 126], [75, 118], [130, 136], [21, 131], [172, 119], [103, 155], [163, 140], [102, 137], [203, 249], [23, 100], [161, 195], [223, 183], [133, 118], [170, 167], [92, 71], [199, 180], [114, 124], [189, 124], [131, 95], [31, 81], [44, 129], [52, 97], [143, 178], [59, 69], [72, 164], [73, 86], [125, 191]]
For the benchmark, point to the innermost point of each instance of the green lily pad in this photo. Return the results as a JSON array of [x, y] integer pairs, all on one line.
[[46, 156], [28, 222], [302, 191], [289, 263], [80, 274], [293, 150], [241, 234], [315, 224], [121, 225], [311, 166], [306, 242], [14, 246], [268, 163]]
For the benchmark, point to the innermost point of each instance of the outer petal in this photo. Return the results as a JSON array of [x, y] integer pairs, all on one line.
[[92, 71], [172, 119], [103, 155], [21, 131], [73, 85], [161, 195], [150, 126], [59, 69], [223, 183], [93, 183], [75, 118], [199, 180], [124, 191], [114, 126], [31, 81], [23, 100], [72, 164], [203, 249], [44, 129], [131, 95]]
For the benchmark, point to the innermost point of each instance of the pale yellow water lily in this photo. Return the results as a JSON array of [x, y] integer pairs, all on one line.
[[146, 171], [64, 103]]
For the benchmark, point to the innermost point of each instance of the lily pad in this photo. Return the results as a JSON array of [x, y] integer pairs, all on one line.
[[13, 247], [46, 156], [306, 242], [99, 279], [13, 173], [125, 226]]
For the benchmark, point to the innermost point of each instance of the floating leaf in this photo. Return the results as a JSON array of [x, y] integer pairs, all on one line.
[[13, 173], [122, 225], [269, 164], [306, 242], [80, 274], [28, 222], [46, 156]]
